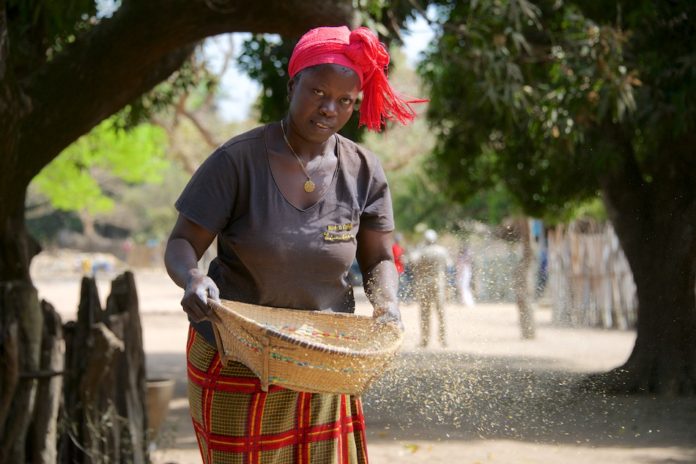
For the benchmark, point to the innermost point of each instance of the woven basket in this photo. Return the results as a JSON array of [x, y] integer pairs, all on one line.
[[305, 351]]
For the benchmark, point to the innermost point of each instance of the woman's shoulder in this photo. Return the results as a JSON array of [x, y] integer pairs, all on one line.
[[356, 154], [241, 150]]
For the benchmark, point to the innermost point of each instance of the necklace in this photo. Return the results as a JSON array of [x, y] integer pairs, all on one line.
[[309, 184]]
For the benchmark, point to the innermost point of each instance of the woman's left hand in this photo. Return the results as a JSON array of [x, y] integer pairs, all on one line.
[[386, 316]]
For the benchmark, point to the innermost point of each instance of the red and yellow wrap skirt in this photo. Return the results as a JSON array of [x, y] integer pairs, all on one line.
[[236, 422]]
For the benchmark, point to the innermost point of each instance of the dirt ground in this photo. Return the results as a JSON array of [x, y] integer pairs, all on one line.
[[489, 397]]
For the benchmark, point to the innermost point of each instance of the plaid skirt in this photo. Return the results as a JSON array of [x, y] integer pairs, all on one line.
[[236, 422]]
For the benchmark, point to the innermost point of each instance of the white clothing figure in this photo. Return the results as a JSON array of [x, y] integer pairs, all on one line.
[[464, 273]]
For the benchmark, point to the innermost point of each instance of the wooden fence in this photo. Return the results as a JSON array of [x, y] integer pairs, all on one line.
[[590, 283]]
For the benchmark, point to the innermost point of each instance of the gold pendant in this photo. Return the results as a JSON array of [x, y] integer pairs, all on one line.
[[309, 186]]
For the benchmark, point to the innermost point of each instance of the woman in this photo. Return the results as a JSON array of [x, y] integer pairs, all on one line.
[[291, 204]]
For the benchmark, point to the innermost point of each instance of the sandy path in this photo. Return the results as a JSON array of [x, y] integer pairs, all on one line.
[[487, 398]]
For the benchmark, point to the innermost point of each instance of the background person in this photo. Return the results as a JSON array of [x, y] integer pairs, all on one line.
[[399, 253], [464, 267], [430, 273], [292, 204]]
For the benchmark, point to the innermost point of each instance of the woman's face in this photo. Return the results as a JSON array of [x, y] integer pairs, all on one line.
[[322, 99]]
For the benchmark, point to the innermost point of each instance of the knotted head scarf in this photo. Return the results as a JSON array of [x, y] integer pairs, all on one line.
[[361, 51]]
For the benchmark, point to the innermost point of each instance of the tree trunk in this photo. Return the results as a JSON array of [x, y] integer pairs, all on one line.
[[656, 225], [663, 360], [21, 324], [88, 229], [664, 357], [522, 287], [20, 331], [20, 314]]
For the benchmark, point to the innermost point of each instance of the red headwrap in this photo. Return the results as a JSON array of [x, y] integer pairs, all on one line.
[[361, 51]]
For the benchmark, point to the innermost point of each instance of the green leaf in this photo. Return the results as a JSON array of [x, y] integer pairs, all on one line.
[[74, 180]]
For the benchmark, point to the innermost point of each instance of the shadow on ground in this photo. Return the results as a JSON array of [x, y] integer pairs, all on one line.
[[442, 396], [449, 395]]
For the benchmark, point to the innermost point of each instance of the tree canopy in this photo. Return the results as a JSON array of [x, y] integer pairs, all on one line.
[[71, 181], [562, 101]]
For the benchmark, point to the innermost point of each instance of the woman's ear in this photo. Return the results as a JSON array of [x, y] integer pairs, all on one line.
[[291, 86]]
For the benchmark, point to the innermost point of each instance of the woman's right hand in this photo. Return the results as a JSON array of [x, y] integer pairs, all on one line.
[[199, 288]]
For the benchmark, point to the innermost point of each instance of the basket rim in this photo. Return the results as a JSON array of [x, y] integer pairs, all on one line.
[[331, 349]]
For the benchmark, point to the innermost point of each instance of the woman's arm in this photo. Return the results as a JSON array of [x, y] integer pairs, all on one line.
[[381, 281], [187, 243]]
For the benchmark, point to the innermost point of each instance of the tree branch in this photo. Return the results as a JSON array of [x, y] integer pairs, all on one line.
[[129, 53], [13, 104], [174, 149], [207, 136]]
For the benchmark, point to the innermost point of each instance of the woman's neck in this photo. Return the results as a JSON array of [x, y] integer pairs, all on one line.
[[304, 148]]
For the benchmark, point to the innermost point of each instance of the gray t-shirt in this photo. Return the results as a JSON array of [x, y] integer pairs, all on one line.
[[270, 252]]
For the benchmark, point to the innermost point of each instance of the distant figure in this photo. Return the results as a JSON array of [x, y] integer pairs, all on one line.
[[126, 249], [542, 273], [464, 272], [398, 252], [430, 273], [86, 265]]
